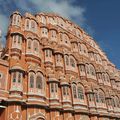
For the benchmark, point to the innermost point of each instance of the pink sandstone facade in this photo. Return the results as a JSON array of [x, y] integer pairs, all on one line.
[[50, 69]]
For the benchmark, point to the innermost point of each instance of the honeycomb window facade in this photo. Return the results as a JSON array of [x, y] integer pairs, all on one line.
[[51, 69]]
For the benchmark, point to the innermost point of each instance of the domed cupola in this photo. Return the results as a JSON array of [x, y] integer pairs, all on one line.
[[16, 19]]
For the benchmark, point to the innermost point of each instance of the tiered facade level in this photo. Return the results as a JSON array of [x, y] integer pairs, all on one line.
[[50, 69]]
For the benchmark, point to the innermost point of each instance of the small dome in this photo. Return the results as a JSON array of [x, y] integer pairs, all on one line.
[[17, 67], [16, 12]]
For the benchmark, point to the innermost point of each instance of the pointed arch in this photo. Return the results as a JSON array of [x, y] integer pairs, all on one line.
[[29, 44], [72, 61], [67, 60], [39, 81], [92, 70], [101, 96], [31, 80], [80, 91], [74, 89]]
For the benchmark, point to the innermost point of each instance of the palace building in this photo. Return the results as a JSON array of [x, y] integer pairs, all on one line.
[[51, 69]]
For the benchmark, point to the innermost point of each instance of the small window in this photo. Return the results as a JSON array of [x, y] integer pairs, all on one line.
[[43, 19], [96, 97], [19, 77], [74, 91], [39, 83], [14, 77], [82, 69], [58, 58], [33, 25], [14, 19], [56, 87], [53, 34], [27, 24], [91, 97], [19, 39], [36, 46], [67, 60], [80, 93], [44, 31], [29, 44], [31, 81], [14, 38], [52, 87], [101, 97], [64, 90], [72, 62], [48, 53]]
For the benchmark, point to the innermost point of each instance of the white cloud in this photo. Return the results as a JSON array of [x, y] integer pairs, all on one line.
[[63, 7]]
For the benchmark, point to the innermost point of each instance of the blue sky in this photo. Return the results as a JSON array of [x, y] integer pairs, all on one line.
[[100, 18]]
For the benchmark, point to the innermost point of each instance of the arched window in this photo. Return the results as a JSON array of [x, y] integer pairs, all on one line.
[[33, 25], [56, 87], [92, 70], [52, 87], [36, 46], [66, 38], [44, 31], [51, 20], [32, 81], [96, 96], [14, 77], [107, 77], [16, 20], [53, 34], [48, 52], [113, 102], [59, 58], [84, 49], [65, 90], [29, 44], [61, 22], [72, 62], [39, 82], [117, 102], [17, 41], [99, 76], [103, 77], [43, 19], [74, 91], [67, 60], [27, 24], [82, 68], [61, 36], [19, 77], [101, 96], [87, 69], [80, 92]]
